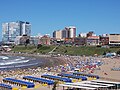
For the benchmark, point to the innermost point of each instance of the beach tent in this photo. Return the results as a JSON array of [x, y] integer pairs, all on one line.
[[5, 87], [40, 80], [56, 78], [73, 76], [93, 76], [88, 75], [19, 82]]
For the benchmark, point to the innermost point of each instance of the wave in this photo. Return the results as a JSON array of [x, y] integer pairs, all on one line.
[[4, 57], [14, 62], [17, 59], [22, 57], [9, 62], [6, 67]]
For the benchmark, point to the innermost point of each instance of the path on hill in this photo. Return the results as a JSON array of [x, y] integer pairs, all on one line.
[[53, 49]]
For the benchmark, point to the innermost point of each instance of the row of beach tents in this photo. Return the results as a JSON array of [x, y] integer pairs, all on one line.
[[46, 79]]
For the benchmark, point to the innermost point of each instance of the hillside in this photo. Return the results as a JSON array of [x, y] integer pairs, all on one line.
[[69, 50]]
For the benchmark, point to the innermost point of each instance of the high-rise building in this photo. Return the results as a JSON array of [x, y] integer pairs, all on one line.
[[11, 30], [26, 28], [54, 34], [68, 32], [71, 31], [57, 34], [64, 34]]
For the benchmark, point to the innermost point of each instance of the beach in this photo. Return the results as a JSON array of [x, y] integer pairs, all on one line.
[[55, 65], [105, 71]]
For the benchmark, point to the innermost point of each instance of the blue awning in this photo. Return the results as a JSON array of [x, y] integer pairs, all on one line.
[[88, 75], [56, 78], [73, 76], [28, 84], [6, 86], [49, 82]]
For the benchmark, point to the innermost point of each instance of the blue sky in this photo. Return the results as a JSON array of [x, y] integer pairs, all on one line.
[[100, 16]]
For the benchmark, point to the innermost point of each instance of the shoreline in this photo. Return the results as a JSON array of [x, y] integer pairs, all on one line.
[[46, 60]]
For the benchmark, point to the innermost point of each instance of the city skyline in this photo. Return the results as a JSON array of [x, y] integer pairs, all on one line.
[[11, 30], [47, 16]]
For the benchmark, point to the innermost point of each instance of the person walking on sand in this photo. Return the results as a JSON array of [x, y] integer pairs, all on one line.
[[105, 73]]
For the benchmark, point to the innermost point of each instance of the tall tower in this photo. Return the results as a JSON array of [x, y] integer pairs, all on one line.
[[11, 30], [26, 29], [71, 31]]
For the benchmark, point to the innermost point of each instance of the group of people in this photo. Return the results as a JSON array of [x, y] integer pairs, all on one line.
[[83, 64]]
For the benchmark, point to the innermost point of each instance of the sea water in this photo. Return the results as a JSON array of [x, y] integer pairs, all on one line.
[[10, 62]]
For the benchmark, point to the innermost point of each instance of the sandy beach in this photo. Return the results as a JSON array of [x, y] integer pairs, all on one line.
[[104, 71]]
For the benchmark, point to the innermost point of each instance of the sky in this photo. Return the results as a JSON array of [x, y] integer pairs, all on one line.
[[46, 16]]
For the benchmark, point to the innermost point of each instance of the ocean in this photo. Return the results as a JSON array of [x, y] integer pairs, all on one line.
[[13, 62]]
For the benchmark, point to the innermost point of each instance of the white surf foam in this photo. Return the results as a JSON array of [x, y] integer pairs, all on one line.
[[4, 57], [13, 62]]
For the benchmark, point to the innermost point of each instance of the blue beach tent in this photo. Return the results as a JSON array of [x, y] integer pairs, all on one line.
[[56, 78], [95, 76], [6, 86], [88, 75], [19, 82], [40, 80], [73, 76]]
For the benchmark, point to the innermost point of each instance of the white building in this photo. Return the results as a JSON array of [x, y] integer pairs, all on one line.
[[26, 29], [68, 32], [11, 30], [71, 30], [57, 34]]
